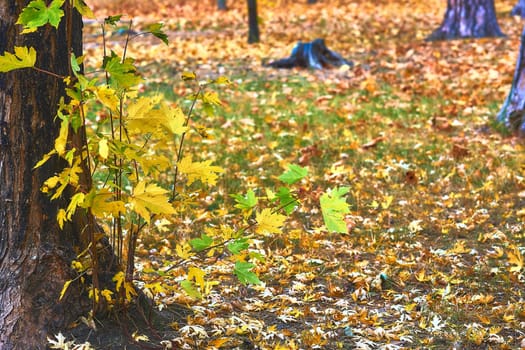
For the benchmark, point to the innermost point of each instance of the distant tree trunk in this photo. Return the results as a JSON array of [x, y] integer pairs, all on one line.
[[512, 112], [312, 1], [253, 23], [468, 19], [519, 9], [221, 5], [35, 255]]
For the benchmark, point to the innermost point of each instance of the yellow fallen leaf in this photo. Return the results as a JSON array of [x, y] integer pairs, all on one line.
[[198, 275], [515, 258], [268, 222], [64, 289]]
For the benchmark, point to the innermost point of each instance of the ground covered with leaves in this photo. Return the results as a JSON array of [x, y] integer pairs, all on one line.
[[433, 254]]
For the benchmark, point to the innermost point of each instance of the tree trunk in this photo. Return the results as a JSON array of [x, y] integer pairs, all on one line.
[[221, 5], [253, 23], [468, 19], [35, 255], [519, 9], [512, 112], [313, 55]]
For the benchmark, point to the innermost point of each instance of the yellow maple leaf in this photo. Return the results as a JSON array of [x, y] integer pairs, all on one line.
[[171, 118], [107, 96], [44, 159], [106, 293], [61, 140], [268, 222], [103, 149], [24, 57], [156, 287], [183, 251], [154, 163], [218, 343], [482, 298], [118, 279], [209, 286], [120, 283], [516, 259], [61, 218], [150, 199], [459, 248], [94, 293], [101, 203], [68, 176], [64, 289], [139, 337], [414, 226], [187, 75], [139, 118], [76, 200], [211, 97], [198, 275], [130, 290], [387, 202], [203, 171], [50, 183]]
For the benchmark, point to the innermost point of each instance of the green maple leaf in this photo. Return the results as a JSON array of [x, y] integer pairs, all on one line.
[[190, 289], [334, 207], [287, 200], [112, 20], [199, 244], [122, 74], [294, 174], [238, 245], [37, 14], [156, 30], [243, 273], [246, 202]]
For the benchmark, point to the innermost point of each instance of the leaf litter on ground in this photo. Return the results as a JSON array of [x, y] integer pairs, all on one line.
[[432, 254]]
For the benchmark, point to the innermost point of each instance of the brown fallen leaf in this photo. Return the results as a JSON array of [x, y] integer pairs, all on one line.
[[373, 142], [441, 124], [411, 177], [459, 151]]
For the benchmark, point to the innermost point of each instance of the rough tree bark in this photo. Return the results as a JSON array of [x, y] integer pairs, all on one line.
[[253, 23], [519, 9], [35, 255], [512, 113], [468, 19], [221, 5]]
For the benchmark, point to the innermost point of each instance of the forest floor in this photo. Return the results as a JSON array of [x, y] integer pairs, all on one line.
[[434, 253]]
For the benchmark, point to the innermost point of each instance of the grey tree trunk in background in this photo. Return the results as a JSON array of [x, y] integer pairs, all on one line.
[[519, 9], [512, 113], [253, 23], [35, 255], [468, 19], [221, 5]]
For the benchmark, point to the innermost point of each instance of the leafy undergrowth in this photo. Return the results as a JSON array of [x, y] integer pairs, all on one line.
[[433, 256]]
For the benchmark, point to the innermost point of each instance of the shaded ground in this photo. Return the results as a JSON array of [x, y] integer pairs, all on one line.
[[140, 327]]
